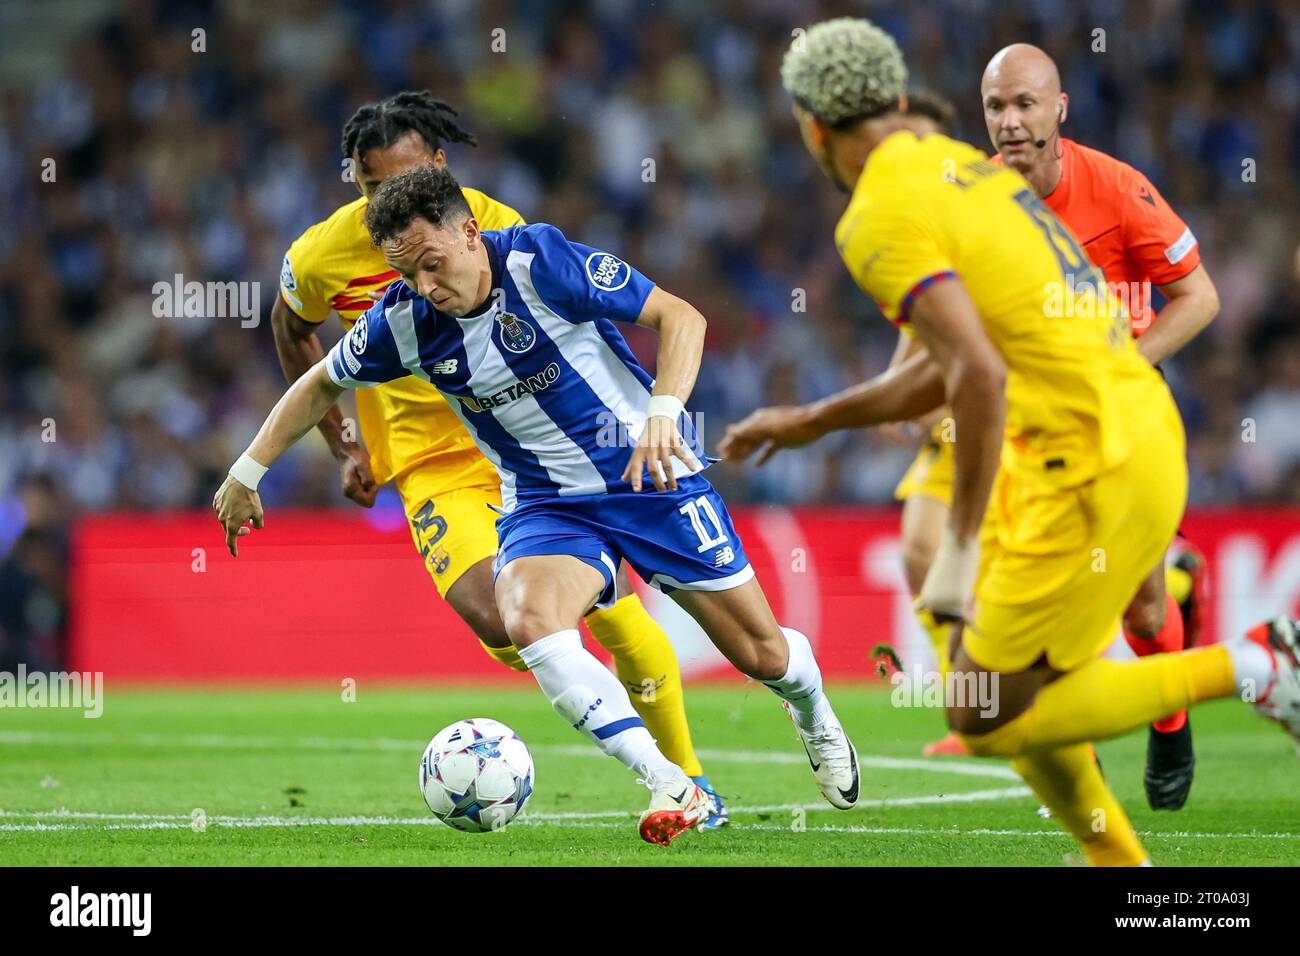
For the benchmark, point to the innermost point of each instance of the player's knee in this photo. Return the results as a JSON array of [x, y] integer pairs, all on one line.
[[527, 624], [764, 661], [1145, 618]]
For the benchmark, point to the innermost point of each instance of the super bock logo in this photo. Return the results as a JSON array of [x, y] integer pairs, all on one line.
[[607, 273], [516, 334]]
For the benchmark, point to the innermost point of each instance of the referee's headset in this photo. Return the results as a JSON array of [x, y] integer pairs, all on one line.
[[1040, 143]]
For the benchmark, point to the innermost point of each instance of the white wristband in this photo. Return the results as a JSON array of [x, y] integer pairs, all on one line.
[[951, 581], [247, 472], [666, 406]]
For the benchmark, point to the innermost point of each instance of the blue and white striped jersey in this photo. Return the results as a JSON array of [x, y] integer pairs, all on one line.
[[542, 379]]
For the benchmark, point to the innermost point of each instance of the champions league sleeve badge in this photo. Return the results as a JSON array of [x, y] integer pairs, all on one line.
[[359, 335]]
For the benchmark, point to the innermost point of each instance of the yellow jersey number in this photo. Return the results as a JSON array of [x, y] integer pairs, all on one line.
[[1076, 268]]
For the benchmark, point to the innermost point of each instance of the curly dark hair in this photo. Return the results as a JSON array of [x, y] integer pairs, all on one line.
[[424, 192], [379, 125], [930, 104]]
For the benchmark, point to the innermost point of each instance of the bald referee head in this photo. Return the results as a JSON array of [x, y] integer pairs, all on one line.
[[1023, 108]]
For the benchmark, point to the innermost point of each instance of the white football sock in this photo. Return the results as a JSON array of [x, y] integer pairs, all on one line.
[[802, 684], [1252, 666], [593, 702]]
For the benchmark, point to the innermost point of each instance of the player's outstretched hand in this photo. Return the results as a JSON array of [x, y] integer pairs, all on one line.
[[235, 504], [767, 431], [355, 477], [658, 445]]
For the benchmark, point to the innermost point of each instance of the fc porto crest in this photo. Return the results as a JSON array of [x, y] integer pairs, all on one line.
[[516, 334]]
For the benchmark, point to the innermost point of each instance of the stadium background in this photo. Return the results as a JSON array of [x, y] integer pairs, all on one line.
[[207, 164]]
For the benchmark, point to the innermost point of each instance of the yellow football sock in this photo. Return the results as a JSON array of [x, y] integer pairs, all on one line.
[[1178, 584], [506, 655], [1105, 698], [647, 665], [939, 635], [1069, 781]]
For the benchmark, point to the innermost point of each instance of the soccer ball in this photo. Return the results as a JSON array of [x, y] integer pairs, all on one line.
[[476, 775]]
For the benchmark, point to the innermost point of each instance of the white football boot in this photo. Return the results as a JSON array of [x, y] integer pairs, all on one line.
[[677, 804], [1280, 701], [834, 761]]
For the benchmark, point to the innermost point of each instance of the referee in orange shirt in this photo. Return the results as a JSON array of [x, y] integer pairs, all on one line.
[[1138, 241]]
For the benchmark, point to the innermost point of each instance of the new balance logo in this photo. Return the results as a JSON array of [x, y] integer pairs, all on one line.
[[723, 556], [445, 367]]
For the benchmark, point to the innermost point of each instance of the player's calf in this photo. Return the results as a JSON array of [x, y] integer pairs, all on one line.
[[473, 598], [977, 717], [740, 623], [765, 658], [543, 592], [1153, 624]]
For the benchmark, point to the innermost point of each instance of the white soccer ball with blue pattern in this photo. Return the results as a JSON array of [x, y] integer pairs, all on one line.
[[476, 775]]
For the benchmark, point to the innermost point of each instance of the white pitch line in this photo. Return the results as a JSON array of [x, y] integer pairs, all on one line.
[[252, 742], [264, 822], [983, 831], [184, 820], [181, 821], [214, 741]]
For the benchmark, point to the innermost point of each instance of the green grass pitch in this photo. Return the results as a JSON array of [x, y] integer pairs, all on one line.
[[301, 777]]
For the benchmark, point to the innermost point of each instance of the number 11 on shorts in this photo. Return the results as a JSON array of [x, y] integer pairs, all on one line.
[[697, 511]]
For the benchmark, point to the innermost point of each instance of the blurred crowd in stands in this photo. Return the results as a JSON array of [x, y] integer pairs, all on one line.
[[656, 130]]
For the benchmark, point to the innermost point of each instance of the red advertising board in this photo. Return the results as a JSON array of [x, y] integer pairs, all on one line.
[[326, 595]]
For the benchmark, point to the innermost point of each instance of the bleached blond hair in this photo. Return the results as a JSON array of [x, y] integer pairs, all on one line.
[[844, 69]]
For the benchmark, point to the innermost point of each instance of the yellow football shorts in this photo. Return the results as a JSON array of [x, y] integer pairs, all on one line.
[[1058, 566], [452, 530], [931, 472]]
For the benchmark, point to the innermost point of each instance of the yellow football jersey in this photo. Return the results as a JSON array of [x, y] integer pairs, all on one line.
[[1078, 392], [332, 267]]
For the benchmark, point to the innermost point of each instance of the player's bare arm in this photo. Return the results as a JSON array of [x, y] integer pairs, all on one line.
[[299, 349], [900, 433], [294, 415], [681, 346], [906, 432], [902, 392], [974, 375], [1193, 302]]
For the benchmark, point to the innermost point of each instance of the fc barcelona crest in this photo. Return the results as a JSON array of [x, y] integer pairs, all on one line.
[[516, 334], [439, 560]]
